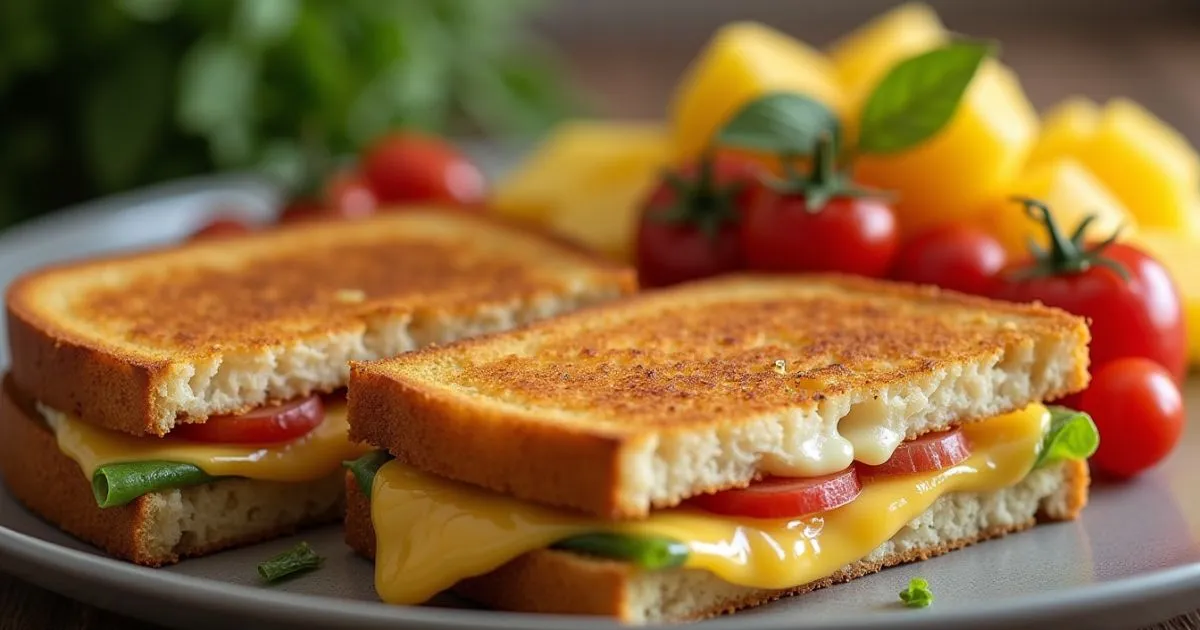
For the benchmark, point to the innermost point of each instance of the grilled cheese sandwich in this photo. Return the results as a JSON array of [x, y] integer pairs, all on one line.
[[567, 472], [197, 369]]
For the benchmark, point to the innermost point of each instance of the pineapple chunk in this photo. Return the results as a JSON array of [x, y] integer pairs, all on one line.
[[863, 57], [586, 182], [743, 61], [1147, 165], [972, 161], [575, 153], [1071, 192], [606, 219], [1065, 128], [1176, 251]]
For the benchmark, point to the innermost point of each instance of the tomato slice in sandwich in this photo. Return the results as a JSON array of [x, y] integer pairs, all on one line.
[[266, 425], [933, 451], [785, 497]]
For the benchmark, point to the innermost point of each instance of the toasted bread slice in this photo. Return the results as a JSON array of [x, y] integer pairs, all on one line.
[[643, 403], [138, 342], [160, 527], [560, 582]]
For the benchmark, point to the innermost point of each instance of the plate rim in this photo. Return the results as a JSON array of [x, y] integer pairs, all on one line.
[[1160, 589]]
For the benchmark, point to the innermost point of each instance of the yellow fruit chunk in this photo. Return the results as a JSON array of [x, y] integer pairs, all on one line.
[[1071, 192], [969, 163], [606, 220], [1148, 165], [744, 60], [575, 151], [1066, 128], [586, 181], [864, 56], [1177, 252]]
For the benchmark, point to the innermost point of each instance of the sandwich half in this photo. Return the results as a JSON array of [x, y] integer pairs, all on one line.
[[172, 403], [714, 446]]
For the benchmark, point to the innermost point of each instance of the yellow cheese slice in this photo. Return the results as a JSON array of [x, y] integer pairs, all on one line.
[[432, 532], [316, 455]]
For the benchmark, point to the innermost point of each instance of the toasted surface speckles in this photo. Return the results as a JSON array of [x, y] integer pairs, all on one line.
[[694, 358], [133, 342], [300, 291], [677, 392]]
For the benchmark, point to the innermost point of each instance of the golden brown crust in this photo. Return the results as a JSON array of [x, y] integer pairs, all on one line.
[[433, 427], [1078, 480], [51, 485], [360, 530], [98, 337], [547, 412], [558, 582]]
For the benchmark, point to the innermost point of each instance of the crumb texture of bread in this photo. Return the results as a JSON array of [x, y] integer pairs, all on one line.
[[566, 583], [137, 342], [162, 527], [645, 402]]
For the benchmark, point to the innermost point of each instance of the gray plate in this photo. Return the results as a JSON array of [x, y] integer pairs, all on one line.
[[1132, 559]]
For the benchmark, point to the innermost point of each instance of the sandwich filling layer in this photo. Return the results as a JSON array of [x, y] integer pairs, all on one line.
[[432, 533], [123, 467]]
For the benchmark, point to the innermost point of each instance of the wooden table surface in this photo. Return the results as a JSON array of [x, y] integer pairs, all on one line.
[[1150, 56]]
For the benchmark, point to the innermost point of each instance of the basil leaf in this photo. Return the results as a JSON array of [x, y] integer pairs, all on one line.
[[365, 468], [780, 122], [919, 96], [647, 552], [1072, 435]]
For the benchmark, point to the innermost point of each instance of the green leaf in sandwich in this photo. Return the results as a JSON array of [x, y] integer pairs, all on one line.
[[1072, 435]]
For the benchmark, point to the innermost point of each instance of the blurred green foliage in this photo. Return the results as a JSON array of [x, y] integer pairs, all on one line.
[[102, 95]]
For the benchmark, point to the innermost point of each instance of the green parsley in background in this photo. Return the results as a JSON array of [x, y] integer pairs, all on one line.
[[105, 95]]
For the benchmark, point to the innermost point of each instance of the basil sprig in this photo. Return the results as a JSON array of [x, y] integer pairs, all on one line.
[[1072, 435], [780, 122], [918, 97], [365, 467], [115, 485], [294, 561], [911, 104]]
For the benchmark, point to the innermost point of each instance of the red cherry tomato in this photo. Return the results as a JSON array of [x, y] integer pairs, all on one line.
[[688, 228], [267, 425], [407, 167], [960, 258], [930, 452], [1139, 412], [784, 497], [219, 228], [1140, 315], [855, 235], [348, 195], [301, 209]]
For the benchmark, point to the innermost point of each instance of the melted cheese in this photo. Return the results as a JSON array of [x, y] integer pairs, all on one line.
[[431, 532], [316, 455]]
